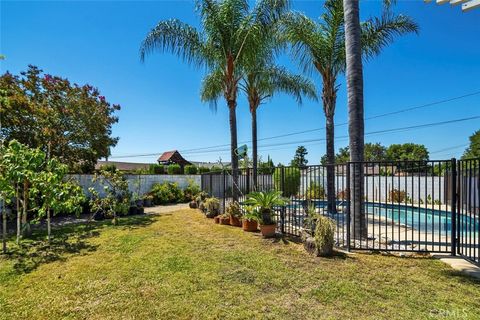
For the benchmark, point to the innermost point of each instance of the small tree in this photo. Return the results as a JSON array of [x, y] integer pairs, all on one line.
[[473, 150], [56, 194], [117, 196], [21, 165], [299, 159]]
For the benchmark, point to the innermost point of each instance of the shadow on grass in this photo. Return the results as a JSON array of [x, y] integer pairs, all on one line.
[[66, 241]]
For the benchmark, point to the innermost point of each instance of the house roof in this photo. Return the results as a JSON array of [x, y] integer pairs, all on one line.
[[173, 157]]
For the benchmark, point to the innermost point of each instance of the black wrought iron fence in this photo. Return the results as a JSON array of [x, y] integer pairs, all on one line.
[[405, 205]]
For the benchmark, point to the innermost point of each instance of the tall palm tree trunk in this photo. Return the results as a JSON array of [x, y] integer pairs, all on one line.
[[329, 98], [232, 105], [253, 110], [354, 75]]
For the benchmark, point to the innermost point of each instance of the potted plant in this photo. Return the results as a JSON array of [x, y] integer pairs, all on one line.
[[192, 204], [212, 205], [235, 213], [216, 219], [148, 200], [265, 202], [225, 219], [250, 219]]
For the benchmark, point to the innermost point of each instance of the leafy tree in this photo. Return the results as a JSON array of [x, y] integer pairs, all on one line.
[[291, 177], [473, 150], [65, 120], [407, 152], [21, 165], [226, 42], [266, 167], [56, 194], [299, 159], [321, 46], [116, 199], [372, 152]]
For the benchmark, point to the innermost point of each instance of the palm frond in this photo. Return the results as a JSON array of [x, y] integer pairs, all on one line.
[[281, 80], [377, 33], [212, 88], [175, 37]]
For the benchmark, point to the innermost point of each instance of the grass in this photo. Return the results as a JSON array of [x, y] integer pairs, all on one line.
[[181, 265]]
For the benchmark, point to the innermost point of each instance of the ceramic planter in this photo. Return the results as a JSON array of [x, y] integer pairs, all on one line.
[[234, 221], [192, 205], [268, 230], [216, 219], [249, 225], [224, 221]]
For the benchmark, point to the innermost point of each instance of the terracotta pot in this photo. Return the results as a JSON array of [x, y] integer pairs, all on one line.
[[216, 219], [224, 221], [234, 221], [268, 230], [250, 226]]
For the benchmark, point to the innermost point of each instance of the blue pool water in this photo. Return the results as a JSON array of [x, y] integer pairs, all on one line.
[[426, 220]]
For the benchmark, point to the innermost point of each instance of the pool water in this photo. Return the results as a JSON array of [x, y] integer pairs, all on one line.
[[426, 220]]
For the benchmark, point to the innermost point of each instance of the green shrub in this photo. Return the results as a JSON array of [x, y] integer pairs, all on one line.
[[157, 169], [324, 235], [174, 169], [315, 191], [166, 192], [291, 180], [191, 191], [191, 169], [203, 170], [233, 209]]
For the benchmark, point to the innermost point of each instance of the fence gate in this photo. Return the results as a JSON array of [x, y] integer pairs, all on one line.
[[468, 209]]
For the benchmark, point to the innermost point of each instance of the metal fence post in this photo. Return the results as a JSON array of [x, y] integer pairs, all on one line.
[[211, 185], [348, 196], [453, 206], [247, 171], [282, 179]]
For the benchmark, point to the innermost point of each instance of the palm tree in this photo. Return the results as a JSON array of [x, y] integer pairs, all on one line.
[[320, 46], [229, 34], [261, 82], [354, 75]]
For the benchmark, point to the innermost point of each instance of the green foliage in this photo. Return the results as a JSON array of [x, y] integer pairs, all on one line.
[[116, 200], [191, 191], [372, 152], [324, 234], [265, 202], [156, 169], [315, 191], [166, 192], [68, 121], [212, 205], [203, 170], [299, 159], [174, 169], [190, 169], [291, 180], [407, 152], [266, 167], [473, 150], [233, 209]]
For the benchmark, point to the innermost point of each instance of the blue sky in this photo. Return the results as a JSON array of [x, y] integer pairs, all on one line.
[[97, 42]]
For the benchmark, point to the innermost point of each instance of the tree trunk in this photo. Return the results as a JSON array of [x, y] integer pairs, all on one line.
[[19, 213], [25, 225], [48, 224], [232, 105], [329, 97], [254, 146], [354, 75], [331, 201], [4, 226]]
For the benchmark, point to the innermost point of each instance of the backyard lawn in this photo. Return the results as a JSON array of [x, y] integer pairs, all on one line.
[[181, 265]]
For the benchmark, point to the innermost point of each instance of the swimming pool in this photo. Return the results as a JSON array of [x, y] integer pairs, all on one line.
[[424, 219]]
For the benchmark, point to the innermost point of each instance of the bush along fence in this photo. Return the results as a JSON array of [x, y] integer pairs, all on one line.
[[416, 206]]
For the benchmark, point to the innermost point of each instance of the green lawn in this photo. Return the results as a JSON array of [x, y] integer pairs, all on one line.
[[181, 265]]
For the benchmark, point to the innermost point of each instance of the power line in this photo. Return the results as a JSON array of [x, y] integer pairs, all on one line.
[[400, 129], [316, 129]]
